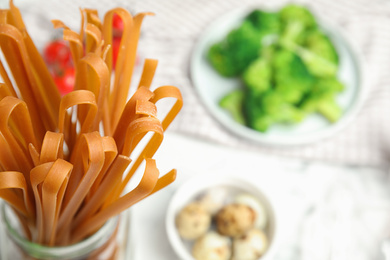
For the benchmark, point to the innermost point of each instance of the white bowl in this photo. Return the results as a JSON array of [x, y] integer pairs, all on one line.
[[201, 183], [211, 87]]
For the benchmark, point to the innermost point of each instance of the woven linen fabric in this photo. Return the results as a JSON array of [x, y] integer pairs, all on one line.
[[171, 35]]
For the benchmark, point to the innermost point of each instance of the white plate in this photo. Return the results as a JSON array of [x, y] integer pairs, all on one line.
[[211, 87], [233, 185]]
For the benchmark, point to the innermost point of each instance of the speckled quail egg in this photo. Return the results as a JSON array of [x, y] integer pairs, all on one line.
[[212, 246], [256, 205], [250, 246], [193, 221], [235, 219], [214, 199]]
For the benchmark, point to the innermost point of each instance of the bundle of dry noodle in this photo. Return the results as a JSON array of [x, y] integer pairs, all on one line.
[[65, 162]]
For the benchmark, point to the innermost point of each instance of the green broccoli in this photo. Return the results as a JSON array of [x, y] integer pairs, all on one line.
[[233, 103], [319, 43], [263, 111], [258, 75], [302, 36], [265, 22], [296, 20], [253, 111], [292, 78], [232, 55], [288, 67], [281, 111], [316, 64], [275, 82], [221, 59], [321, 99], [330, 109]]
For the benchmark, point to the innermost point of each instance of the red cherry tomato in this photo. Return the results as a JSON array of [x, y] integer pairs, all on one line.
[[65, 80], [117, 25], [115, 50], [57, 53]]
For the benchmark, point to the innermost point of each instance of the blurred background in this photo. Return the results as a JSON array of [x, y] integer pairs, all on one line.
[[332, 193]]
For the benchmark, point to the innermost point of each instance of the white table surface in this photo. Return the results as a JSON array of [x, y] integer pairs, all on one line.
[[327, 211]]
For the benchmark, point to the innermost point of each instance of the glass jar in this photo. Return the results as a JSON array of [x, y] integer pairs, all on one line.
[[111, 241]]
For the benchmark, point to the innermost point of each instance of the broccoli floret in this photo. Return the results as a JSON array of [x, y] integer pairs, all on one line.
[[275, 82], [221, 59], [330, 109], [265, 22], [292, 78], [321, 99], [316, 64], [267, 109], [245, 45], [295, 21], [241, 46], [276, 107], [233, 102], [320, 44], [258, 75], [302, 36], [255, 116], [329, 86]]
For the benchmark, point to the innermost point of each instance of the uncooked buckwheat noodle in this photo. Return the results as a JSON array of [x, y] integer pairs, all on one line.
[[65, 162]]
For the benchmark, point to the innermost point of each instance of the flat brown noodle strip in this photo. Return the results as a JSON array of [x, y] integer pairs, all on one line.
[[5, 91], [4, 16], [48, 90], [164, 181], [57, 24], [7, 87], [107, 31], [91, 155], [37, 176], [93, 18], [125, 65], [52, 147], [34, 154], [75, 44], [7, 160], [53, 189], [146, 186], [110, 153], [168, 92], [16, 17], [148, 72], [121, 74], [16, 110], [147, 108], [136, 131], [93, 38], [93, 75], [77, 98], [10, 180], [15, 123], [11, 43], [155, 141], [105, 189], [129, 115]]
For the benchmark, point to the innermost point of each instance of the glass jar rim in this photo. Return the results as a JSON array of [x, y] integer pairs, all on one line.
[[76, 250]]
